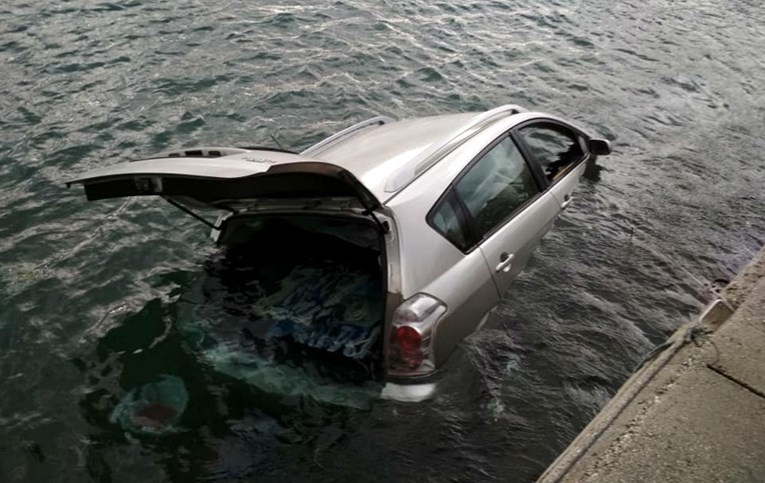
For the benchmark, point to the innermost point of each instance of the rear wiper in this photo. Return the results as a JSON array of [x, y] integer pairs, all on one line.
[[268, 148]]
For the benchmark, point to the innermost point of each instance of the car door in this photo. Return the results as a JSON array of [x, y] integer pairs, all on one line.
[[507, 208], [560, 154]]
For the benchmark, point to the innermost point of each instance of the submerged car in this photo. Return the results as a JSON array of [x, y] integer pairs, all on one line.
[[388, 242]]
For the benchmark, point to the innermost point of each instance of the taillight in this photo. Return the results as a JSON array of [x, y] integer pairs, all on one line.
[[409, 343], [410, 350]]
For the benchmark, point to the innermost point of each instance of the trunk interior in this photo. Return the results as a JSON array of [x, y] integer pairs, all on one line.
[[307, 291]]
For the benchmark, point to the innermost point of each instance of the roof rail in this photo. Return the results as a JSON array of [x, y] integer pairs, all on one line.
[[410, 171], [324, 143]]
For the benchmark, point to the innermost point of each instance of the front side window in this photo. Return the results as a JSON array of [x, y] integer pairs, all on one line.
[[495, 186], [555, 148]]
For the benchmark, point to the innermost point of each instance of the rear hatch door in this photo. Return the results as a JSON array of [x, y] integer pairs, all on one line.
[[226, 181]]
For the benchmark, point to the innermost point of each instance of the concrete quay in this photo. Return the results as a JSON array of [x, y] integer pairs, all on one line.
[[695, 412]]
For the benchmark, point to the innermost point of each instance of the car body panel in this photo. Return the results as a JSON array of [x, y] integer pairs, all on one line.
[[563, 190], [468, 291], [511, 245]]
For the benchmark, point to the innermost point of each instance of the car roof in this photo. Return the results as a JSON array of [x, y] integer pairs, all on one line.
[[375, 152], [387, 155]]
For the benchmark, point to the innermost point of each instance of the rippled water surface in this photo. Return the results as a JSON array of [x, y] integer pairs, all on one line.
[[90, 291]]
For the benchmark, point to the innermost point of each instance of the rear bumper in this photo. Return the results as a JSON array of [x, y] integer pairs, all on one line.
[[409, 392], [411, 389]]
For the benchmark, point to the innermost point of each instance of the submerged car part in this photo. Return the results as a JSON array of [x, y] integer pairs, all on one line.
[[153, 408]]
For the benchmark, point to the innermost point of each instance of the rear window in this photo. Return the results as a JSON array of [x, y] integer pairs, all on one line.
[[243, 229]]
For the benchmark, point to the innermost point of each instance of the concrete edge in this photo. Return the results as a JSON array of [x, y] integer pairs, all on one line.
[[713, 316], [743, 284]]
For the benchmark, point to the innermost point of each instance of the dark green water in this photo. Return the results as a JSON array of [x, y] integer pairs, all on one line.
[[91, 291]]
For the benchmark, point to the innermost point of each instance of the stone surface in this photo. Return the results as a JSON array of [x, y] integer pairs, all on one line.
[[740, 287], [738, 349], [703, 428], [696, 413]]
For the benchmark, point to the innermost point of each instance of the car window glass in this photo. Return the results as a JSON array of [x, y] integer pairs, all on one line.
[[498, 184], [555, 149], [445, 220]]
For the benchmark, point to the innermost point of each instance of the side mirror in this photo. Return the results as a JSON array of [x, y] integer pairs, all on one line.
[[599, 147]]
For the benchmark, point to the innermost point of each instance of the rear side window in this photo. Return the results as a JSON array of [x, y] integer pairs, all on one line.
[[555, 148], [446, 221], [496, 186]]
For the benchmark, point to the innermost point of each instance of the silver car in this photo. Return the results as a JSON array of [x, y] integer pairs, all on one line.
[[427, 221]]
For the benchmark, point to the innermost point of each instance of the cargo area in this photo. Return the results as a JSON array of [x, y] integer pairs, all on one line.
[[295, 290]]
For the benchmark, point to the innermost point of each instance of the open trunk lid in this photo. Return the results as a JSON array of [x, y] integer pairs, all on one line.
[[225, 181]]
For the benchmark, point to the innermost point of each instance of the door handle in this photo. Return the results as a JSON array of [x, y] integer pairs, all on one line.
[[506, 262], [566, 201]]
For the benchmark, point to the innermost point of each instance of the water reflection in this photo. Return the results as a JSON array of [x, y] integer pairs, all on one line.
[[236, 406], [592, 170]]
